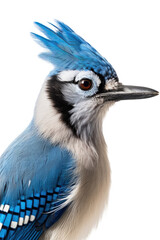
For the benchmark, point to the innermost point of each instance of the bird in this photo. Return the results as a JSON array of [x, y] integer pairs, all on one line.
[[55, 176]]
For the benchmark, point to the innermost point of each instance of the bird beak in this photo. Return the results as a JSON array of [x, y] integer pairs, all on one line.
[[126, 92]]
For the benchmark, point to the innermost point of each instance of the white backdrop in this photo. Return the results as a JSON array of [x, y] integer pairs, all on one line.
[[127, 33]]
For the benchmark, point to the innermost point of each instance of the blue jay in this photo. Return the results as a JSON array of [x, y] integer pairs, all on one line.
[[55, 177]]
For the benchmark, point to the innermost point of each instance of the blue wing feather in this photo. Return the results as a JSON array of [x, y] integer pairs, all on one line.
[[35, 178]]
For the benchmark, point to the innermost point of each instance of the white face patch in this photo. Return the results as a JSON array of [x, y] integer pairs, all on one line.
[[67, 76], [90, 75], [71, 91]]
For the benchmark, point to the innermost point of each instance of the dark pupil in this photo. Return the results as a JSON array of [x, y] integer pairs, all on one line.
[[86, 83]]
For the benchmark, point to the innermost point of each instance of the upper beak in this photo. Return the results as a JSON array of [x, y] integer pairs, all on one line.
[[125, 92]]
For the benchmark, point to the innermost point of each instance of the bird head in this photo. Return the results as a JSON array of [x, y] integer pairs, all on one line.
[[83, 84]]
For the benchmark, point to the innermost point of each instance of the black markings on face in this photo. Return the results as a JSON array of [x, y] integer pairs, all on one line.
[[54, 90]]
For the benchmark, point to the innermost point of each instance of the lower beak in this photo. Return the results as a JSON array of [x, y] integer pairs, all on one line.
[[125, 92]]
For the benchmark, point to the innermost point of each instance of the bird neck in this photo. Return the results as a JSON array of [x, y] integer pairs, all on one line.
[[90, 194], [50, 126]]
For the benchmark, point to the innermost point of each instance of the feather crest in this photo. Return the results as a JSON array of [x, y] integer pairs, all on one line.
[[68, 51]]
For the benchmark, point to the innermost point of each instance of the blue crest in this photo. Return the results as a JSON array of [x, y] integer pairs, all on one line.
[[68, 51]]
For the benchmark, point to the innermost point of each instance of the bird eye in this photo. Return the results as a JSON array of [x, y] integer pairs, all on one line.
[[85, 84]]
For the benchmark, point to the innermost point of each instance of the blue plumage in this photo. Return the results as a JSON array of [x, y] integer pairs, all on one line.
[[41, 178], [37, 175], [59, 162], [31, 150], [68, 51]]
